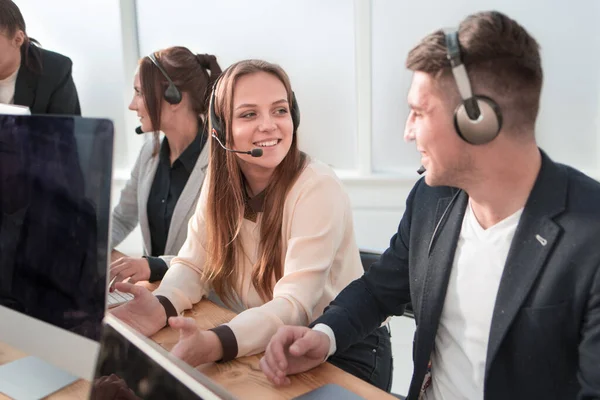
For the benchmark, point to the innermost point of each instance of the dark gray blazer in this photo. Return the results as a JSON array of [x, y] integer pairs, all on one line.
[[545, 335], [50, 90]]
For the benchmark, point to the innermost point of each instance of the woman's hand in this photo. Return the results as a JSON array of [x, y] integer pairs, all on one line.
[[135, 268], [195, 346], [144, 313]]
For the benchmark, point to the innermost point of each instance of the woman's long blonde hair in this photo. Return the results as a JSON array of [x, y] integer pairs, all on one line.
[[226, 197]]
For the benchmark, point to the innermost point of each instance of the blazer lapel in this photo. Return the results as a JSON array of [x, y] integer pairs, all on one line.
[[188, 197], [25, 88], [534, 240], [435, 284], [440, 259]]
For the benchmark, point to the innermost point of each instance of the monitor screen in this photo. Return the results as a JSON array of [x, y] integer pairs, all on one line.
[[55, 180]]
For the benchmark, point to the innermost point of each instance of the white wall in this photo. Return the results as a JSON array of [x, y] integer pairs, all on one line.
[[291, 34]]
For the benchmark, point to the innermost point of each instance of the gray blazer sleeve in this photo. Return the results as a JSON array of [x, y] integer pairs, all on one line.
[[125, 216]]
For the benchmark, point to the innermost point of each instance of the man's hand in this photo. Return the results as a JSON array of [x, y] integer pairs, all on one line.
[[135, 268], [293, 349]]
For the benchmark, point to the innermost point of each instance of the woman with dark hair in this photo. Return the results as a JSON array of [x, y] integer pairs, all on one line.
[[171, 95], [272, 237], [29, 75]]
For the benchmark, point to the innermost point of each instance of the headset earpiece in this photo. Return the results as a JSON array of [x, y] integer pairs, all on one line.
[[295, 111], [172, 95], [478, 119], [485, 128], [215, 121]]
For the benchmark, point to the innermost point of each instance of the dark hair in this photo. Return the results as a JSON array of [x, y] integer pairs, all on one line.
[[11, 21], [502, 60], [188, 71]]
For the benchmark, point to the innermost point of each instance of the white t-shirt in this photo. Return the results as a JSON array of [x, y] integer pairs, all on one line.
[[459, 356], [7, 88]]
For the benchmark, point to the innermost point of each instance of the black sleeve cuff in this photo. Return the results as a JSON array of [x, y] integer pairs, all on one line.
[[158, 268], [228, 341], [169, 308]]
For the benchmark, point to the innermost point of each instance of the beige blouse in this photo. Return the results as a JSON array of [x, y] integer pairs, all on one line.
[[320, 259]]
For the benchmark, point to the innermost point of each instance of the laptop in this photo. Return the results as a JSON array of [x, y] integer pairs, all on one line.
[[131, 366]]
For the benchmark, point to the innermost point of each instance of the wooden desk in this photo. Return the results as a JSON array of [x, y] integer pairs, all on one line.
[[242, 377]]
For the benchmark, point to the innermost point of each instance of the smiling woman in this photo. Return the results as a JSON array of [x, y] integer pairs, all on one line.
[[272, 236]]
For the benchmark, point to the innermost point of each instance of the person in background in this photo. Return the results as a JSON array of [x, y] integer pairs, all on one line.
[[29, 75], [272, 237], [171, 89]]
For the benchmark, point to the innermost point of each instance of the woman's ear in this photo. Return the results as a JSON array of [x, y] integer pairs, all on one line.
[[19, 38]]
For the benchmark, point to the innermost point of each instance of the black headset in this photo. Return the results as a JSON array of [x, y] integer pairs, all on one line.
[[172, 95], [217, 123], [477, 119]]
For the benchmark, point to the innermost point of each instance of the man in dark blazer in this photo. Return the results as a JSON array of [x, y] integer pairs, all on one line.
[[498, 249], [43, 78]]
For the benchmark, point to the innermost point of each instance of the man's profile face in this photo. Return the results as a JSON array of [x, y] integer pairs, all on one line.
[[430, 125]]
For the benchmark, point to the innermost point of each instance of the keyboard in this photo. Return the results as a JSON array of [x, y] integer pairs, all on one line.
[[116, 298]]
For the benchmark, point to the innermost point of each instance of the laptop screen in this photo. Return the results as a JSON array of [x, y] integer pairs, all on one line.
[[55, 179], [131, 366]]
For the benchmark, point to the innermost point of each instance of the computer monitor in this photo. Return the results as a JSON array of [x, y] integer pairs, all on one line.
[[55, 181], [135, 367]]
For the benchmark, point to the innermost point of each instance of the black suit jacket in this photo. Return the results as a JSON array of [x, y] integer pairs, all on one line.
[[50, 90], [544, 341]]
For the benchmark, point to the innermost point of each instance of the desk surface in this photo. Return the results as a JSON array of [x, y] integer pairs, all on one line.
[[242, 377]]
